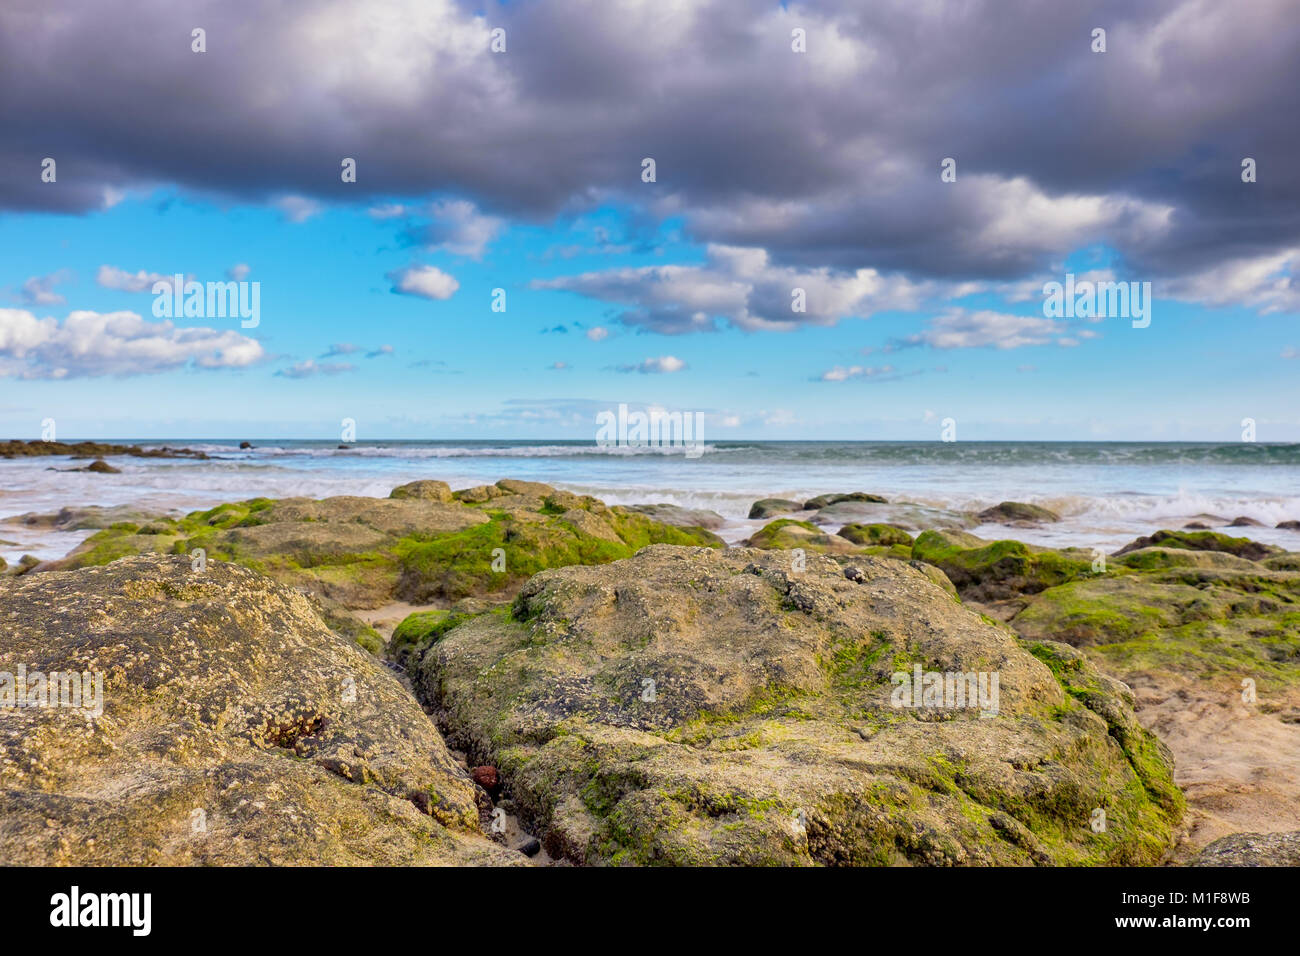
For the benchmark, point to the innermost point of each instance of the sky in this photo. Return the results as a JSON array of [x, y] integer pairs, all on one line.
[[913, 176]]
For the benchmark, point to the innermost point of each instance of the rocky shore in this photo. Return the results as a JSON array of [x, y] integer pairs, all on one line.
[[89, 449], [361, 680]]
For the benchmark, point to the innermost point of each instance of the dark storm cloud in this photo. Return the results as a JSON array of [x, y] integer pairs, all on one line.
[[826, 159]]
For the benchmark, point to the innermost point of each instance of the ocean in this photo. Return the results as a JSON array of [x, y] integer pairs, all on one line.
[[1107, 493]]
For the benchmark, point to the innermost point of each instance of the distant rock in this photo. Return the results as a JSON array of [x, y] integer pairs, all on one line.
[[1244, 522], [101, 467], [1252, 849], [824, 501], [236, 730], [245, 445], [769, 507], [873, 534], [1289, 525], [427, 490], [1016, 512], [787, 534], [681, 517], [90, 449], [1202, 541], [1196, 526]]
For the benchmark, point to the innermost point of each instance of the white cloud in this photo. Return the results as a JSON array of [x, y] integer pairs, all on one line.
[[963, 329], [741, 286], [598, 333], [239, 272], [841, 373], [459, 228], [39, 290], [658, 365], [428, 282], [309, 367], [88, 344], [297, 208], [111, 277]]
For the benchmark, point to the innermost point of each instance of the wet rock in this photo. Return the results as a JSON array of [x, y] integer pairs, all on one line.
[[825, 501], [1202, 541], [681, 517], [426, 490], [767, 507], [1016, 512]]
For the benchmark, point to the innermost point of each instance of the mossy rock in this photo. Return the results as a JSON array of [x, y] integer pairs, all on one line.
[[700, 707], [1203, 624], [427, 490], [999, 570], [352, 552], [789, 533], [222, 692], [875, 534], [767, 507], [1203, 541]]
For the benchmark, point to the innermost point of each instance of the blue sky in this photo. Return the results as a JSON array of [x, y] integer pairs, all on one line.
[[925, 297]]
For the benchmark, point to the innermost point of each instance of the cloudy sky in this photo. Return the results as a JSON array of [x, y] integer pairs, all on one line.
[[798, 153]]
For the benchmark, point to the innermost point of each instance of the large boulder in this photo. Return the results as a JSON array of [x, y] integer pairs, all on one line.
[[787, 534], [681, 517], [236, 729], [690, 706]]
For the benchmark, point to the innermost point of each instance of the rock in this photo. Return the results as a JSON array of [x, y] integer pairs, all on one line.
[[26, 563], [875, 534], [1244, 522], [1287, 561], [825, 501], [344, 447], [1289, 525], [1202, 541], [694, 706], [1016, 512], [513, 486], [81, 519], [90, 449], [767, 507], [351, 552], [681, 517], [998, 570], [486, 777], [3, 564], [101, 467], [1150, 559], [236, 729], [426, 490], [1252, 849], [244, 445], [787, 534], [1196, 526], [530, 847], [1179, 624]]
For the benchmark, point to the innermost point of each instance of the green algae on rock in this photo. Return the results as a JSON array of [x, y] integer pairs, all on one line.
[[789, 533], [420, 545], [875, 534], [236, 729], [999, 570], [694, 706], [1203, 541]]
